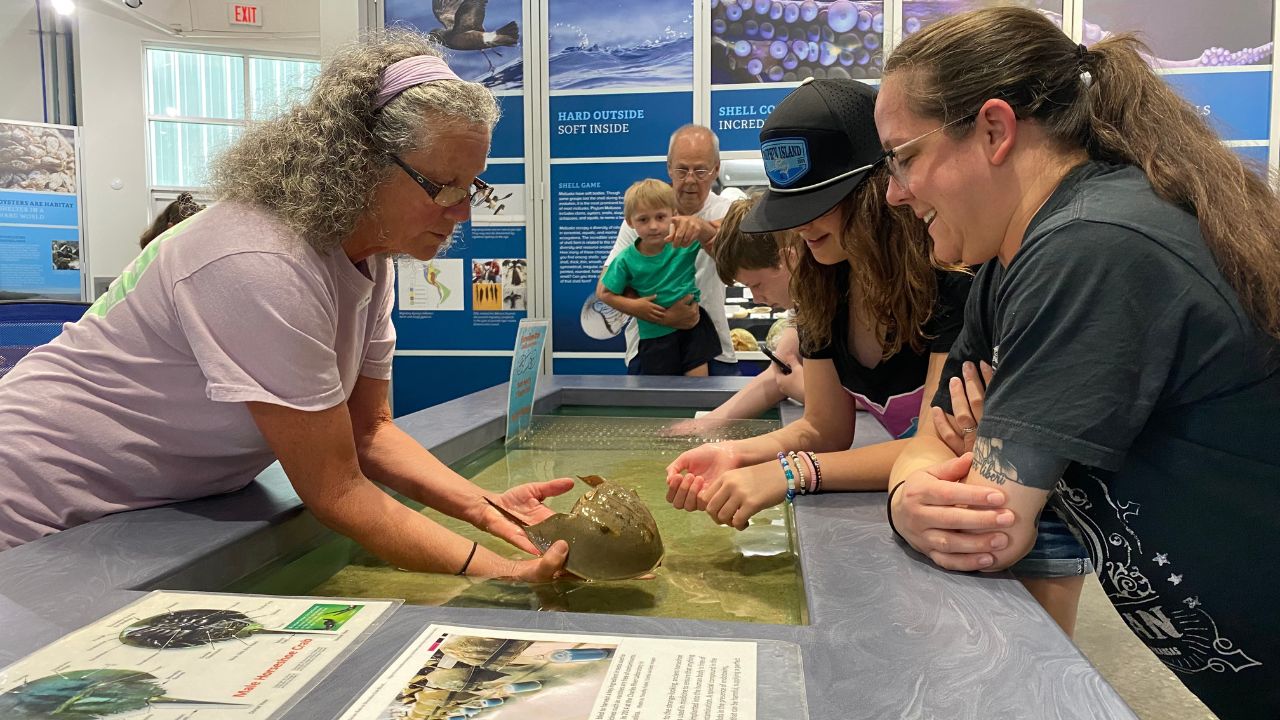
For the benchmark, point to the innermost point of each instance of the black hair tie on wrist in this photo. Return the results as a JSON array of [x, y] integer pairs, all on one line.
[[470, 555], [888, 511]]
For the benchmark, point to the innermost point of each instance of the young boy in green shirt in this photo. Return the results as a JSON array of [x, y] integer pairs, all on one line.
[[662, 274]]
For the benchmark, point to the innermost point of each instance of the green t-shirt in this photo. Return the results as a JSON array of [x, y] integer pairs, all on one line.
[[669, 275]]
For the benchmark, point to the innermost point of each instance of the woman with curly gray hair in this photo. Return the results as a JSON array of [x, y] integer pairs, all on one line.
[[260, 329]]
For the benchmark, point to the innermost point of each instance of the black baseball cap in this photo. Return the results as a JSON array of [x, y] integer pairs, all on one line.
[[818, 144]]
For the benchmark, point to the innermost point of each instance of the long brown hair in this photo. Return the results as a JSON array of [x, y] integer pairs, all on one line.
[[892, 278], [175, 212], [1107, 100]]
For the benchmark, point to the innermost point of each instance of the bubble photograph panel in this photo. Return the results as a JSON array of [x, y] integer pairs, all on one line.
[[768, 41], [920, 14]]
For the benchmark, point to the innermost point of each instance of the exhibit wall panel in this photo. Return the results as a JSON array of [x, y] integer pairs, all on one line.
[[1219, 57], [620, 82], [471, 297]]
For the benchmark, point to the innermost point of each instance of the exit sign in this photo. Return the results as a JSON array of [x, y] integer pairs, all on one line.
[[244, 15]]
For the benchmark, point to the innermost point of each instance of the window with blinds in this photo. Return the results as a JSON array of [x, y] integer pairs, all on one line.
[[198, 102]]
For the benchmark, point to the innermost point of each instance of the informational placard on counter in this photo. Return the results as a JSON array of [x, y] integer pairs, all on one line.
[[452, 672], [526, 360], [203, 656]]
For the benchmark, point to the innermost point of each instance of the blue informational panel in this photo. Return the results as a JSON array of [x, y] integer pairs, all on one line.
[[738, 115], [40, 252], [1257, 154], [1236, 104], [508, 136], [586, 211], [620, 77], [423, 381], [473, 295], [608, 125]]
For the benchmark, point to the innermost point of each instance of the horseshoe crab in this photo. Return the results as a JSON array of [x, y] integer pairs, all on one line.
[[610, 531]]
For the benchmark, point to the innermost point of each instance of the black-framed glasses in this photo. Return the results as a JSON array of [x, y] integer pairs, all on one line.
[[682, 173], [894, 164], [450, 195]]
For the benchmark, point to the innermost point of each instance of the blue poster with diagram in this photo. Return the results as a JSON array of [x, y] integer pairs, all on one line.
[[40, 251], [586, 213]]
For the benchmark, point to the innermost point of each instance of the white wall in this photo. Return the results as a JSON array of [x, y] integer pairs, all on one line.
[[20, 97], [114, 117]]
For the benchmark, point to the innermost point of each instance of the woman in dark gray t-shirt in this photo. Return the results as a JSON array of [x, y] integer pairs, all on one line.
[[1129, 302]]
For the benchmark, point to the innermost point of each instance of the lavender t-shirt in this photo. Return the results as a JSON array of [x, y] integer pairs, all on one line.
[[142, 402]]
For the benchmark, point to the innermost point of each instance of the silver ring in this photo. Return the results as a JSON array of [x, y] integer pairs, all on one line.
[[968, 430]]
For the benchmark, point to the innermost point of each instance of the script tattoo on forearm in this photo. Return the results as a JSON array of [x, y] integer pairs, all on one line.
[[987, 460], [1002, 461]]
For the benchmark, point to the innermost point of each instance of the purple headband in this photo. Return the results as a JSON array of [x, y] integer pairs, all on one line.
[[404, 74]]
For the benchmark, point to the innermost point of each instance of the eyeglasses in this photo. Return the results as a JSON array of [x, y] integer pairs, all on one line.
[[682, 173], [450, 195], [895, 164]]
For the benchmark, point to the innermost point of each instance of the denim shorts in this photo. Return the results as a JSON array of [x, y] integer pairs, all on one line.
[[1057, 553]]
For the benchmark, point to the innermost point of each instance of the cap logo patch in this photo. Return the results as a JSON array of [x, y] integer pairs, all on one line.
[[786, 160]]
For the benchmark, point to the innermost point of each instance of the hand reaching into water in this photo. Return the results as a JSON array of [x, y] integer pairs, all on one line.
[[696, 468], [732, 498]]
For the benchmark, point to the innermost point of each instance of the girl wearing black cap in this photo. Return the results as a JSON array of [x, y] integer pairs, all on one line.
[[1129, 301], [876, 319]]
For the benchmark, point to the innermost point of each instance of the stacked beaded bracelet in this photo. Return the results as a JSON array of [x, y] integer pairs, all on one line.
[[802, 482], [817, 472], [791, 478]]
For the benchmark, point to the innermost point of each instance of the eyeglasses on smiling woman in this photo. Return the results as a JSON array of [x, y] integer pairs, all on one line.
[[897, 164], [450, 195]]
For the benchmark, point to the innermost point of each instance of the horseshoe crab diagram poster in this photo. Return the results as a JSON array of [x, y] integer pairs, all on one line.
[[202, 656], [451, 672]]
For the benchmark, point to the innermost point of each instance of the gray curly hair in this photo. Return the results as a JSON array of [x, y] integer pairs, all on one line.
[[317, 165]]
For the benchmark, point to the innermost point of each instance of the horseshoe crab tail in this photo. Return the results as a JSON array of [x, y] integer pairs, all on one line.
[[507, 514]]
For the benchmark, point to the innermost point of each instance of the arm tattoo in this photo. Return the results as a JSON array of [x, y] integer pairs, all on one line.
[[1002, 461], [988, 461]]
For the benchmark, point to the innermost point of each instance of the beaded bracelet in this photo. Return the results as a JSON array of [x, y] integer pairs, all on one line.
[[817, 472], [802, 483], [791, 479], [813, 485]]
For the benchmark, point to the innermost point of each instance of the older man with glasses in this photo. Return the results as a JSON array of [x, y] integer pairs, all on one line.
[[693, 163]]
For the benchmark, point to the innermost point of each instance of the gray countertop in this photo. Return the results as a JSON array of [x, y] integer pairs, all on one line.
[[890, 636]]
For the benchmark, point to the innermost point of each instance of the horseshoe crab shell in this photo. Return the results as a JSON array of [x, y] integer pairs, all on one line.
[[610, 531]]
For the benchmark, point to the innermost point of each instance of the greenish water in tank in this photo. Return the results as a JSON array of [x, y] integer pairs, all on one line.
[[708, 573]]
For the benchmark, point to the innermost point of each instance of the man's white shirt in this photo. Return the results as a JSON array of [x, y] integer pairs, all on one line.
[[706, 277]]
